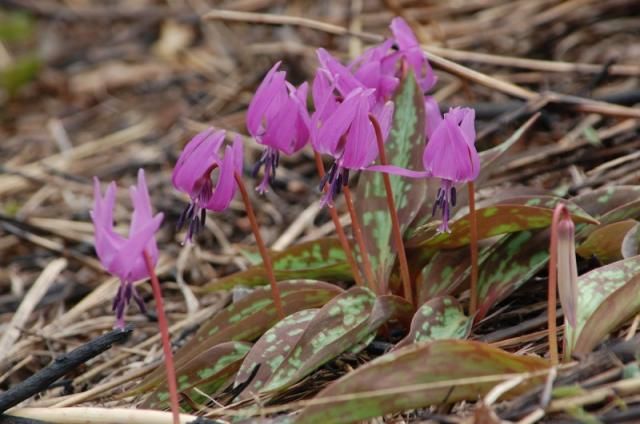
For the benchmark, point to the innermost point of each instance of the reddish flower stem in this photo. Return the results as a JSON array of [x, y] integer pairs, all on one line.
[[553, 284], [339, 230], [357, 233], [395, 222], [473, 247], [166, 341], [266, 259]]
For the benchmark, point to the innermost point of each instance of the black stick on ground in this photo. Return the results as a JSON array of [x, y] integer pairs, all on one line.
[[41, 380]]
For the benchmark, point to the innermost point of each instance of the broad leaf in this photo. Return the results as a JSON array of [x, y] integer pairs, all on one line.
[[404, 148], [250, 317], [594, 288], [604, 199], [620, 306], [605, 242], [444, 371], [492, 221], [515, 259], [321, 259], [440, 318]]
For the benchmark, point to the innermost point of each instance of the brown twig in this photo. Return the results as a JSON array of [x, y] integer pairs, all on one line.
[[266, 259], [339, 229], [395, 222]]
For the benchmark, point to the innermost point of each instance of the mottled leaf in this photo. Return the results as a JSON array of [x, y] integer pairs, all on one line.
[[594, 288], [604, 199], [605, 242], [620, 306], [631, 242], [251, 316], [208, 372], [492, 221], [271, 349], [337, 326], [515, 259], [321, 259], [441, 318], [403, 148], [444, 371]]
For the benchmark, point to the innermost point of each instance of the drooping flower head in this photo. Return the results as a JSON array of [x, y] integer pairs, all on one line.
[[450, 153], [122, 256], [278, 119], [341, 128], [206, 176]]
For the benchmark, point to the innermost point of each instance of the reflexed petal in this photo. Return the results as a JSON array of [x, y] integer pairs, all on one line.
[[385, 119], [433, 118], [141, 203], [336, 125], [267, 92], [361, 146], [198, 156], [449, 156], [403, 34], [340, 74], [225, 189], [397, 170]]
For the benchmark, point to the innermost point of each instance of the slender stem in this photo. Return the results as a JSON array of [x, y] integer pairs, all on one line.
[[473, 246], [552, 287], [266, 259], [395, 222], [357, 233], [339, 230], [166, 342]]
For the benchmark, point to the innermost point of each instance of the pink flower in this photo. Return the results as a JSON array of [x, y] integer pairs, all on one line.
[[409, 49], [343, 130], [450, 154], [278, 119], [122, 256], [193, 175]]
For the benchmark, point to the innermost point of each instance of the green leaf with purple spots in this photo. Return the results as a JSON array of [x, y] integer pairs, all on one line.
[[251, 316], [605, 242], [321, 259], [403, 148], [619, 307], [441, 318], [207, 373], [594, 289], [420, 376]]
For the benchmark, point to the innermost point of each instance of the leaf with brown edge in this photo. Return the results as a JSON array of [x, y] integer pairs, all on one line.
[[207, 373], [441, 318], [492, 221], [271, 349], [605, 242], [630, 242], [249, 318], [322, 259], [619, 307], [418, 376], [403, 148], [594, 288]]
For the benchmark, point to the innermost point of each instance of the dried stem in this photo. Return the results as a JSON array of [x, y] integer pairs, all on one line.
[[357, 233], [395, 222], [166, 342], [339, 230], [473, 246], [266, 259]]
